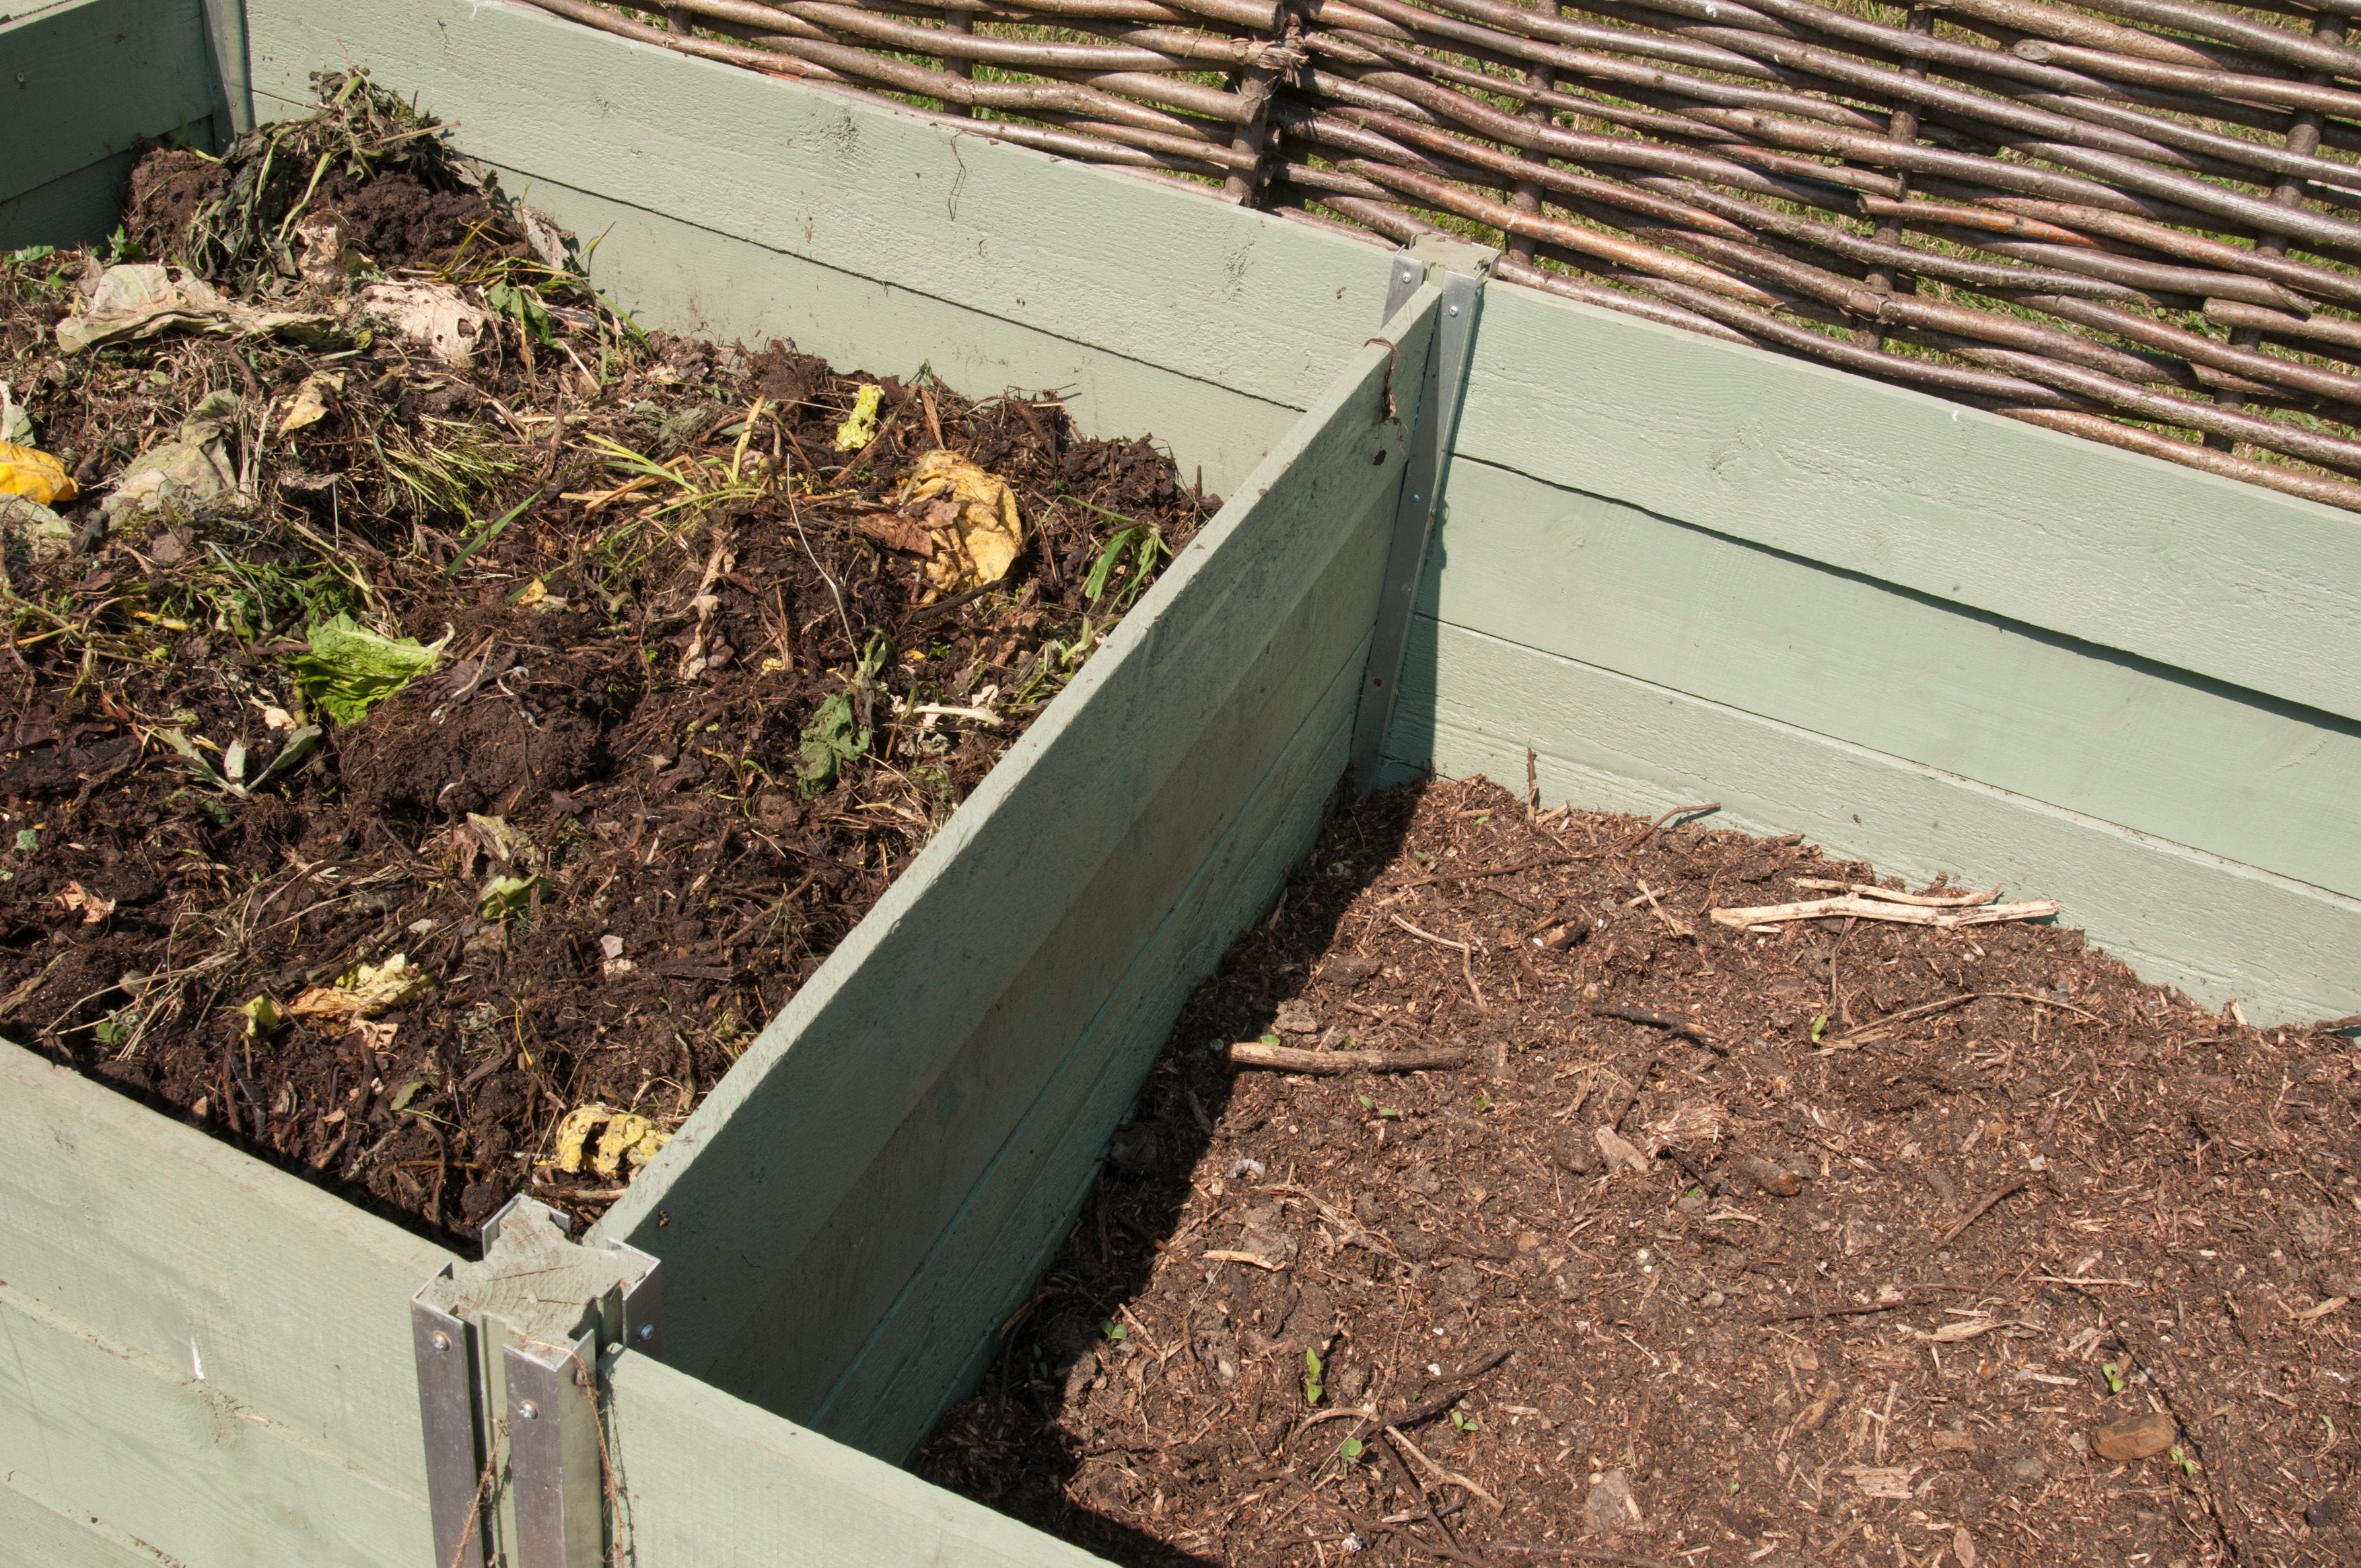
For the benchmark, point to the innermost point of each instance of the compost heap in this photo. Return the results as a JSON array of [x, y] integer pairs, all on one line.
[[444, 722], [1903, 1244]]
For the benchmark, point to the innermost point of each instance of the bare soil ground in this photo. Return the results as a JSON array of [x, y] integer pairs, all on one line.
[[1957, 1247]]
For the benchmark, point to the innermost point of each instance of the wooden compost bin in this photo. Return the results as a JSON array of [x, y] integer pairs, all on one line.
[[1679, 569]]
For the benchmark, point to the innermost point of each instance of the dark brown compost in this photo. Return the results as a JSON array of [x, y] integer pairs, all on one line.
[[693, 702]]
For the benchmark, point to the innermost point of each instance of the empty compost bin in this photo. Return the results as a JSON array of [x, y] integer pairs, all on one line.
[[1554, 516]]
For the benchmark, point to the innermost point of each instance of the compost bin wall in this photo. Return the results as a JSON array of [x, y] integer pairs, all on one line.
[[85, 84], [1687, 571]]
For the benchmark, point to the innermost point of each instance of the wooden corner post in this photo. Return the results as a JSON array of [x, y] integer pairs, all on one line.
[[519, 1470], [1459, 269]]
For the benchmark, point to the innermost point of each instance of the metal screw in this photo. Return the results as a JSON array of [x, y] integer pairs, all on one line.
[[646, 1332], [1415, 496], [439, 1340], [1455, 310], [529, 1410]]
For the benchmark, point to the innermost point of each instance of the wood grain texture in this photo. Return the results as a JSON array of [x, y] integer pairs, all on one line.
[[177, 1248], [2073, 726], [2206, 575], [713, 1482], [56, 1537], [983, 1270], [85, 81], [1472, 703], [80, 208], [155, 1454], [987, 960], [1254, 301]]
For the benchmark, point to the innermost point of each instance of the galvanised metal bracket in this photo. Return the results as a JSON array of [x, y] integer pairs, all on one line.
[[517, 1463], [1459, 269]]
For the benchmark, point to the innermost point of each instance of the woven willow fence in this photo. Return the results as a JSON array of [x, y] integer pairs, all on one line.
[[2137, 221]]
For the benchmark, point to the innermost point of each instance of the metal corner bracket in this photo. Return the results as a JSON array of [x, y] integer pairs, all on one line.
[[508, 1351], [1460, 270]]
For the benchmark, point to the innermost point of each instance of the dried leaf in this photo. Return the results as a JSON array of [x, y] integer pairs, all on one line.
[[362, 992]]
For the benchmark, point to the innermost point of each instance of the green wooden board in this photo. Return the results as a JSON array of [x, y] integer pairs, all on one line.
[[1472, 703], [2035, 715], [2197, 572], [983, 1267], [1254, 301], [805, 1191], [178, 1248], [80, 208], [85, 81], [712, 1482], [151, 1453], [56, 1537]]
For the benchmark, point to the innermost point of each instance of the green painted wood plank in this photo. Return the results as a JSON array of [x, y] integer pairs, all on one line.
[[773, 1158], [36, 1532], [2074, 726], [158, 1457], [712, 1482], [80, 208], [936, 1343], [2202, 574], [709, 284], [86, 81], [1256, 302], [180, 1249], [1472, 703]]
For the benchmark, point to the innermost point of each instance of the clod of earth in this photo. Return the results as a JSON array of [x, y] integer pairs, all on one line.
[[2132, 1438]]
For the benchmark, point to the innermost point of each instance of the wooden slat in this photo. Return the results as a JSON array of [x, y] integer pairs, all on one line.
[[2072, 725], [80, 208], [57, 1538], [1472, 703], [1254, 301], [177, 1248], [806, 1192], [150, 56], [983, 1267], [2201, 574], [147, 1452], [714, 1482]]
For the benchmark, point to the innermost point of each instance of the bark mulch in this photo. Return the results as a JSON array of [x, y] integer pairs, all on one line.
[[1949, 1247]]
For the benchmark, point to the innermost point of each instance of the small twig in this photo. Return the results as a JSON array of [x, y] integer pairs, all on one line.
[[1978, 1212], [1514, 866], [1428, 936], [1294, 1058], [1800, 1313], [1650, 830], [1869, 1031], [1667, 1022], [1451, 1477]]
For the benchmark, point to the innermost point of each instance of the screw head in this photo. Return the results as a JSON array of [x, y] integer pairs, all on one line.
[[1455, 310], [529, 1410], [645, 1331], [439, 1340]]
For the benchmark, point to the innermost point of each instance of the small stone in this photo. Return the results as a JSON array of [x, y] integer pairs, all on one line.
[[1350, 969], [2027, 1467], [1295, 1017], [1713, 1299], [1619, 1152], [2134, 1437], [1613, 1508]]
